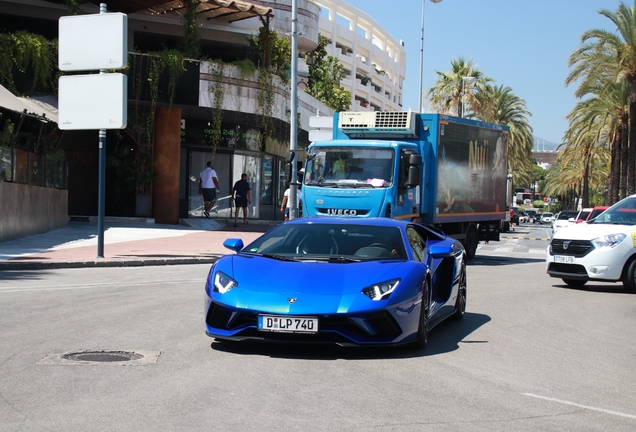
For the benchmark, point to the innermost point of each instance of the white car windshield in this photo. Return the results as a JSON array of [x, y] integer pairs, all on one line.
[[623, 213]]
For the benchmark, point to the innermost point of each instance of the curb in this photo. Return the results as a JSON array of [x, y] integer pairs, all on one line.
[[524, 238], [9, 265]]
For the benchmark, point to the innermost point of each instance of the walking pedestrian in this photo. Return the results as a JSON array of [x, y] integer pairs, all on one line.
[[242, 197], [284, 206], [208, 187]]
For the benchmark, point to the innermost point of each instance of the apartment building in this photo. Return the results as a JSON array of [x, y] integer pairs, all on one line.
[[374, 61]]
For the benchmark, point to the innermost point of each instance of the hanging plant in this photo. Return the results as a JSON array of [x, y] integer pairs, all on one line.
[[28, 52], [74, 6], [172, 65], [191, 43], [216, 90], [265, 104], [246, 68]]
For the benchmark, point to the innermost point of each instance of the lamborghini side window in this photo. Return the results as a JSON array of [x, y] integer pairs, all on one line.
[[417, 244]]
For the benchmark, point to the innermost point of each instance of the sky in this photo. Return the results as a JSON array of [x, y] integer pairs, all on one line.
[[521, 44]]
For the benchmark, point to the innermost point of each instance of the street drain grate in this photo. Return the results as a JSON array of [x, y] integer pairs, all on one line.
[[103, 356], [95, 357]]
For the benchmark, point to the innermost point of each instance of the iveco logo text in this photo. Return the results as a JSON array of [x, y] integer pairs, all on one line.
[[341, 212]]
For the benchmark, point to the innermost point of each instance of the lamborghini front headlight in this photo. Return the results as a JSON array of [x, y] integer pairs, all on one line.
[[382, 290], [223, 283]]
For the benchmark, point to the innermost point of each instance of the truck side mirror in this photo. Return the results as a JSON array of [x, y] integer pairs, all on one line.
[[414, 177], [415, 159]]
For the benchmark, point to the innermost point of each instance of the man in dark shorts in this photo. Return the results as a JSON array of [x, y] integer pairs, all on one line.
[[208, 187], [242, 197]]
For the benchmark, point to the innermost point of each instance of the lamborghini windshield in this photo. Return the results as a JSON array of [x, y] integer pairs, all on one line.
[[329, 242]]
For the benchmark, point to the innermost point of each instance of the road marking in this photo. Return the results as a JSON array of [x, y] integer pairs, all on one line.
[[100, 285], [616, 413], [526, 238]]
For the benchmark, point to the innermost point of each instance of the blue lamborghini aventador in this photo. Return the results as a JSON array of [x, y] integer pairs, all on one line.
[[345, 281]]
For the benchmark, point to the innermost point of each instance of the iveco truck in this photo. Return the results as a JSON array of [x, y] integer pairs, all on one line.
[[445, 171]]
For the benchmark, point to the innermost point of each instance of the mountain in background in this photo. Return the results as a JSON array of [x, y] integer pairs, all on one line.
[[544, 145]]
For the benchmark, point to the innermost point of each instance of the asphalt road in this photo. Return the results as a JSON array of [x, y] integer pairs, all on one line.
[[531, 354]]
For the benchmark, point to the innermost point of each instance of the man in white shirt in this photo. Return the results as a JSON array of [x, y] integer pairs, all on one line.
[[285, 207], [208, 187]]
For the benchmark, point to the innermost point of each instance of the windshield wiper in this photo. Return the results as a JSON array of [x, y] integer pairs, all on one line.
[[342, 259], [277, 257]]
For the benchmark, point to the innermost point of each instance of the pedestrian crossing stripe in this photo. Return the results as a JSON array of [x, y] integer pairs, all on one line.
[[524, 238]]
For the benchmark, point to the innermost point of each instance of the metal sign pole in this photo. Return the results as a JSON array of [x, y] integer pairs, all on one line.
[[101, 199]]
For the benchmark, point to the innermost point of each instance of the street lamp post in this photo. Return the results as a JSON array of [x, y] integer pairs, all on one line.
[[293, 122], [470, 80], [422, 55]]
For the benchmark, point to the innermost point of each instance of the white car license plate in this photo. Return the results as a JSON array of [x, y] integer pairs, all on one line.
[[564, 259], [287, 324]]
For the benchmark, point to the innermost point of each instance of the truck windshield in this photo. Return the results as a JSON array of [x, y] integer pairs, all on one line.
[[349, 167]]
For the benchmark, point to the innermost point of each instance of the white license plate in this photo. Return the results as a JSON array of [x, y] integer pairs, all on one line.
[[563, 259], [287, 324]]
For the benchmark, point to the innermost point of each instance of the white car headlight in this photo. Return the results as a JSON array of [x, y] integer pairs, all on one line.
[[608, 241], [223, 283], [381, 291]]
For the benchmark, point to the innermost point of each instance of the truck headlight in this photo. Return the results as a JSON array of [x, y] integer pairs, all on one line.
[[608, 241]]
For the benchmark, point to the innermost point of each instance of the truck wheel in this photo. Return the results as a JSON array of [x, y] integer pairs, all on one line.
[[629, 276], [470, 243]]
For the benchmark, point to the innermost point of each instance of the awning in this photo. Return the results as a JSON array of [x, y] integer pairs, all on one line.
[[33, 108], [226, 10], [222, 10]]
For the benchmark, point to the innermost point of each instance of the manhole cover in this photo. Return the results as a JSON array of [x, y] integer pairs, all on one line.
[[103, 356], [96, 357]]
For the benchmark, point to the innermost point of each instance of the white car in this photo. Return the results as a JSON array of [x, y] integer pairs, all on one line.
[[564, 219], [603, 249], [546, 218]]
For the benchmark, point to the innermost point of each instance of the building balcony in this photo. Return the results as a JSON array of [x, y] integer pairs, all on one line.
[[241, 92]]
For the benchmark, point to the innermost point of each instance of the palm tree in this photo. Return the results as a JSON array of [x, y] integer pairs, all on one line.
[[613, 55], [587, 139], [448, 90]]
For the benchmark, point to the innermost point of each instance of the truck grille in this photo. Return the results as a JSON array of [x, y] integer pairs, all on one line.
[[342, 212], [577, 248]]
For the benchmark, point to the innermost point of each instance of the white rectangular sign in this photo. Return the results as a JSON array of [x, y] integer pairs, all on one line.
[[88, 102], [93, 42]]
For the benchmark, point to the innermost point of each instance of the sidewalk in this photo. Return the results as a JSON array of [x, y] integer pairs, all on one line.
[[196, 241]]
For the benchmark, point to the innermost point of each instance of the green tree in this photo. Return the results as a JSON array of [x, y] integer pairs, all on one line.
[[447, 93], [612, 55], [325, 73], [271, 52]]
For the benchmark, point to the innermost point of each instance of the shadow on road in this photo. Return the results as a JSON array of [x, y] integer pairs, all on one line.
[[444, 338], [594, 287], [491, 260]]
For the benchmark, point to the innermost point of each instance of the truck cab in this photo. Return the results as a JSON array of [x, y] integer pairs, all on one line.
[[362, 179]]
